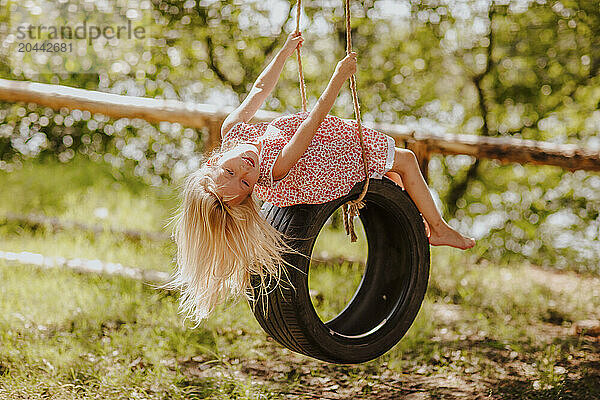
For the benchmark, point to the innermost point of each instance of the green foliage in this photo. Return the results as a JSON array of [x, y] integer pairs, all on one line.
[[538, 213], [507, 68]]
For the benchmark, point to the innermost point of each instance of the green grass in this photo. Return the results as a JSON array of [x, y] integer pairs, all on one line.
[[77, 244], [483, 330], [77, 190], [333, 285], [103, 337], [113, 337]]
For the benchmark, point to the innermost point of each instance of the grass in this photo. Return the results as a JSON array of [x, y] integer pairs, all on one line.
[[147, 255], [109, 338], [332, 285], [484, 330], [90, 193], [87, 192]]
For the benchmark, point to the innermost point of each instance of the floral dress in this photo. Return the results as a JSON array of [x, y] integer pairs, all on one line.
[[328, 169]]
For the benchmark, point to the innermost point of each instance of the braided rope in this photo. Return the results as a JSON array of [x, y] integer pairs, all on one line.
[[300, 73], [351, 209]]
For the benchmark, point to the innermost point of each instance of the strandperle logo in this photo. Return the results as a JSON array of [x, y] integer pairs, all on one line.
[[82, 31], [76, 36]]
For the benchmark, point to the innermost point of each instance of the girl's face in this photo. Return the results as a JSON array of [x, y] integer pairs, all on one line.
[[238, 172]]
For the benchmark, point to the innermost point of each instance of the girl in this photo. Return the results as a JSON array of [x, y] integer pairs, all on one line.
[[309, 157]]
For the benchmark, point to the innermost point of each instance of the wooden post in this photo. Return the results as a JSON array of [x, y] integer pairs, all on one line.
[[214, 134]]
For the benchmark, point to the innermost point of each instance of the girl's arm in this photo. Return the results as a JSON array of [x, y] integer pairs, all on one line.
[[264, 85], [298, 144]]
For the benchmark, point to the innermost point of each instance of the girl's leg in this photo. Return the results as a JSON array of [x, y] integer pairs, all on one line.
[[395, 177], [405, 164]]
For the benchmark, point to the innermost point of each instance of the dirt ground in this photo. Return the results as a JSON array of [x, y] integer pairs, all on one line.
[[500, 373]]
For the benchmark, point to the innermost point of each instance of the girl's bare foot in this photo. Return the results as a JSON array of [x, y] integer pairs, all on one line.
[[443, 234]]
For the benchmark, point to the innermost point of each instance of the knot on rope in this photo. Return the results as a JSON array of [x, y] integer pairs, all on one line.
[[349, 211]]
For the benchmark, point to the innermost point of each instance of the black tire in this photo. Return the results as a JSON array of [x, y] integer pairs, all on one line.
[[390, 293]]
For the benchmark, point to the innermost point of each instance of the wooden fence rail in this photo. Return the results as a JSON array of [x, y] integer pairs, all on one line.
[[211, 117]]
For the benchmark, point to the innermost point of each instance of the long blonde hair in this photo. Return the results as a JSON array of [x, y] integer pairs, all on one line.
[[220, 247]]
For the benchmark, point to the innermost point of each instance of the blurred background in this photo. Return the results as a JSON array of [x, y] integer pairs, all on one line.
[[83, 189]]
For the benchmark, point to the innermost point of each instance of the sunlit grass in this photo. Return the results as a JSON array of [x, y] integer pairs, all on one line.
[[108, 333], [70, 336], [87, 192], [107, 247], [332, 285], [104, 337]]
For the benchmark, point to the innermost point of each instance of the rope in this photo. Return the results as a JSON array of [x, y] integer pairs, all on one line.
[[351, 209], [300, 73]]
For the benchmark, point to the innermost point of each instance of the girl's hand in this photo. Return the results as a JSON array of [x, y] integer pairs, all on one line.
[[346, 67], [293, 41]]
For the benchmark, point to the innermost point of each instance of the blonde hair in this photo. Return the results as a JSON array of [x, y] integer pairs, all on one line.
[[220, 247]]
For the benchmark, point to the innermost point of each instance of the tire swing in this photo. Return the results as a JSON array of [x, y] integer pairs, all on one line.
[[395, 278]]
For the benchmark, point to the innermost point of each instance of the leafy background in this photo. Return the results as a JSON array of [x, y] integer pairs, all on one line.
[[526, 69]]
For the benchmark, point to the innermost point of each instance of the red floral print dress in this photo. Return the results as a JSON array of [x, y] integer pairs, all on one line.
[[328, 169]]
